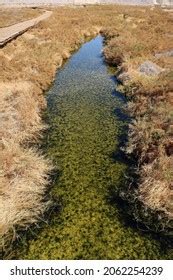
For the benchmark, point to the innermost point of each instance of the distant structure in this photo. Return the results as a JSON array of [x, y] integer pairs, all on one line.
[[164, 3]]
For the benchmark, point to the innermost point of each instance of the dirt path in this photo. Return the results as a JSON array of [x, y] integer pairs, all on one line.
[[10, 32]]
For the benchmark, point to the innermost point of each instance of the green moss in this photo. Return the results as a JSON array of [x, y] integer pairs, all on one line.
[[83, 135]]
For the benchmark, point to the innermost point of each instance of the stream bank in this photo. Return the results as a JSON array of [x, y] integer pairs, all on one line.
[[146, 78]]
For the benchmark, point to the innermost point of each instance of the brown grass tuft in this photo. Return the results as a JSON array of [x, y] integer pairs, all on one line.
[[23, 172]]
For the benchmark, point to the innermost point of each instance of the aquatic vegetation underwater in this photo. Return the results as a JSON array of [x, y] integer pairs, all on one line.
[[83, 135]]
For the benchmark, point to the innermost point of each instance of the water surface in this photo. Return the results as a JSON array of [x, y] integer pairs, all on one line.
[[86, 120]]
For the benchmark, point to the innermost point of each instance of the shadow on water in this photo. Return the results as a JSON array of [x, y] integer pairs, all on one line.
[[87, 128]]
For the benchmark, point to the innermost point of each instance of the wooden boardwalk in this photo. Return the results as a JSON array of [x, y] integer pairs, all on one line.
[[11, 32]]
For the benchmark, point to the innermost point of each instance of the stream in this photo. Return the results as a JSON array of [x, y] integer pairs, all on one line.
[[86, 119]]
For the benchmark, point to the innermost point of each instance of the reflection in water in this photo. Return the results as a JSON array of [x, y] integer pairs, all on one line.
[[86, 119]]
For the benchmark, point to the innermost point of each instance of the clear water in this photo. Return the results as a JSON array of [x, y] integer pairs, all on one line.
[[86, 119]]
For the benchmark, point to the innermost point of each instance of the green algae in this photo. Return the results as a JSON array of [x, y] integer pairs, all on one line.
[[84, 133]]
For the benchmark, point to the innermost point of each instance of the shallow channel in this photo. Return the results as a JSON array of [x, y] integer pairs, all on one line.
[[84, 133]]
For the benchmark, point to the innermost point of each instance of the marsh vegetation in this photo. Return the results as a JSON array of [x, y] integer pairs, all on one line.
[[83, 133]]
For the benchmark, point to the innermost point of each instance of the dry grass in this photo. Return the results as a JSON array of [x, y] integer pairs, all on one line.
[[155, 188], [9, 16], [22, 184], [28, 65], [137, 37]]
